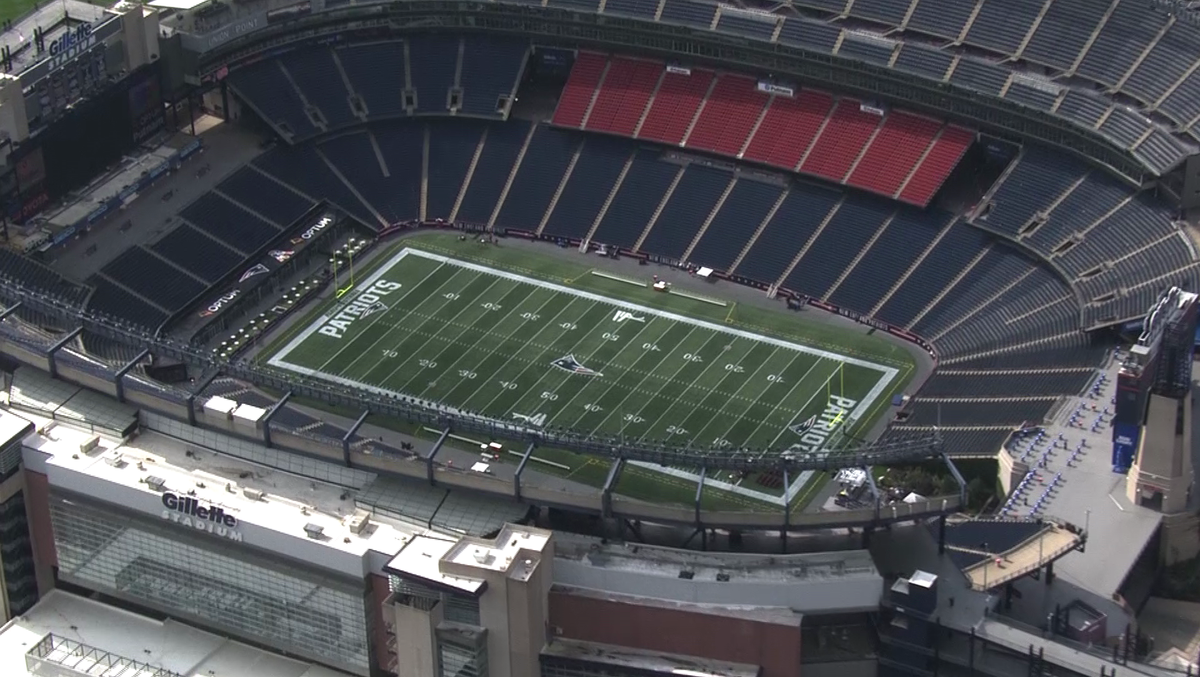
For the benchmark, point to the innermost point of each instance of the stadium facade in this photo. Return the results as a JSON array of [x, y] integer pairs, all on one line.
[[806, 153]]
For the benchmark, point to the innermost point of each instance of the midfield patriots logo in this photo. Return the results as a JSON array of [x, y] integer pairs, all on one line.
[[623, 315], [573, 365]]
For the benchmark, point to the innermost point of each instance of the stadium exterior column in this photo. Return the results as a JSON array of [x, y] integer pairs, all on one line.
[[271, 414], [350, 433], [433, 452], [521, 469], [962, 484], [614, 473], [874, 489], [787, 513], [119, 380], [9, 310], [58, 345], [206, 379]]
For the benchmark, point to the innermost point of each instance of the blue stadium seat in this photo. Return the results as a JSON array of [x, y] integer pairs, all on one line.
[[943, 263], [452, 144], [542, 169], [500, 150], [229, 223], [596, 171], [694, 198], [273, 97], [793, 224], [318, 77], [200, 255], [433, 60], [740, 216], [258, 192], [491, 69], [885, 262], [376, 73], [854, 224], [640, 193]]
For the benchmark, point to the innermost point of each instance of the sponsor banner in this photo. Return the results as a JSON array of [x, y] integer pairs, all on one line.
[[224, 301], [281, 256], [310, 231], [1125, 444], [898, 332], [775, 88], [873, 109], [678, 70]]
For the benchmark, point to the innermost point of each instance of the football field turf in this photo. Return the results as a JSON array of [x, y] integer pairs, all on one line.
[[518, 349]]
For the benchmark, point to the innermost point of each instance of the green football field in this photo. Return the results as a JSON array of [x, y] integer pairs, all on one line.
[[525, 350]]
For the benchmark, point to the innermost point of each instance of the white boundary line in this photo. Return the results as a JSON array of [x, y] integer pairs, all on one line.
[[864, 405]]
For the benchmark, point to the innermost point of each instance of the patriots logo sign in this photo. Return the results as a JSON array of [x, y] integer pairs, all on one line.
[[376, 307], [801, 428], [573, 365]]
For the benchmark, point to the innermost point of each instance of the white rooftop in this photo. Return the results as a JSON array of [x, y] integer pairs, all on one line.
[[11, 427], [169, 645], [288, 503], [515, 552]]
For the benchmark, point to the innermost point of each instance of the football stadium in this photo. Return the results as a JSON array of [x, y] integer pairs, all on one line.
[[623, 338]]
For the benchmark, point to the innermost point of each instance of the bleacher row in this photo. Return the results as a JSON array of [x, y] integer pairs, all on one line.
[[1127, 45], [1097, 232], [893, 153], [313, 90], [1124, 45], [215, 236]]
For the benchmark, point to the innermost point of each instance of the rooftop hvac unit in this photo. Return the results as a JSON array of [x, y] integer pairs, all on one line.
[[156, 483], [89, 444], [314, 530], [253, 494], [359, 521], [116, 459]]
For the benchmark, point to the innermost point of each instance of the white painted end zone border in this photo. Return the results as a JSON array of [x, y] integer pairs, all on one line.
[[888, 374]]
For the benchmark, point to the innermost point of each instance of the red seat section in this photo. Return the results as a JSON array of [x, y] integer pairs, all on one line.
[[847, 131], [580, 87], [674, 106], [894, 152], [626, 90], [728, 116], [788, 128], [928, 177]]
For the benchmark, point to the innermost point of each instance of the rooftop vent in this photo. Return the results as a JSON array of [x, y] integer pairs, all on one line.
[[253, 494], [723, 577], [359, 521], [687, 575], [116, 459], [156, 483], [314, 530]]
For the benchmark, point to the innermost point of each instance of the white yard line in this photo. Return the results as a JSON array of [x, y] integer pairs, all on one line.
[[551, 372], [638, 387], [437, 332], [653, 311], [632, 342], [749, 380], [454, 341], [536, 360], [377, 319], [499, 340], [692, 385]]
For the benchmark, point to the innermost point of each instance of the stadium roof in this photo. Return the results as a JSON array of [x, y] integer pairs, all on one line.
[[177, 4], [104, 635]]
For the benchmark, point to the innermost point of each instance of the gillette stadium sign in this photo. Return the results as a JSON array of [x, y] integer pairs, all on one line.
[[69, 45], [194, 514]]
